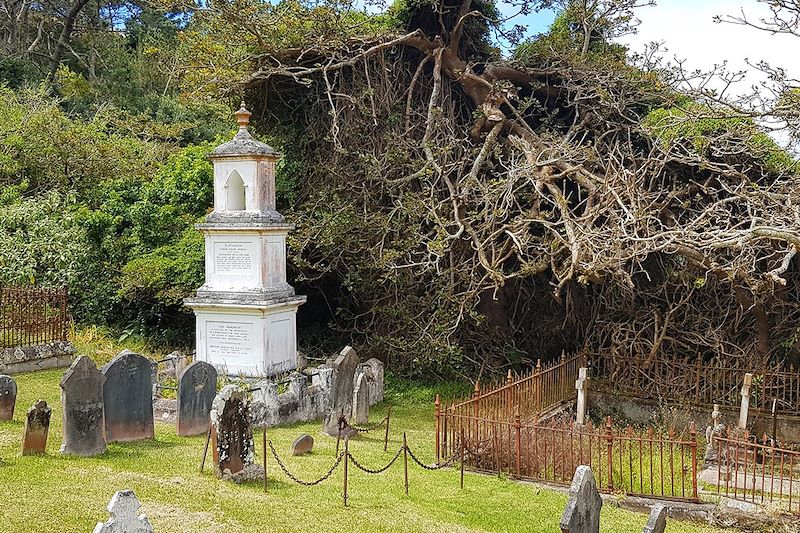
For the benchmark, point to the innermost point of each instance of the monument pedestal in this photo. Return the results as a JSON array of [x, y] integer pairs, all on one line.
[[253, 338]]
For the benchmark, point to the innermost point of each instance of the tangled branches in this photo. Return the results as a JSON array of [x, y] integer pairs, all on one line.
[[462, 211]]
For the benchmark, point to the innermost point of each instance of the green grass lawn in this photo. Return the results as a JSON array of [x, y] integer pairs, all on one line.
[[65, 494]]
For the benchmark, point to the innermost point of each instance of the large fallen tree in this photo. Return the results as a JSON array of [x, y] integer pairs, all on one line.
[[456, 209]]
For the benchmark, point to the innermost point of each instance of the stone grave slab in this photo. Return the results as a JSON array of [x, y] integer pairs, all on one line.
[[582, 513], [128, 398], [361, 400], [657, 521], [303, 444], [8, 397], [123, 508], [82, 405], [197, 387], [37, 426]]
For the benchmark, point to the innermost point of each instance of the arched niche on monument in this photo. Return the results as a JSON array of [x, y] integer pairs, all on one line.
[[235, 193]]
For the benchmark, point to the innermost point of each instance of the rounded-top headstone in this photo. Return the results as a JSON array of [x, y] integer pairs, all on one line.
[[8, 397], [128, 398], [197, 387], [303, 444]]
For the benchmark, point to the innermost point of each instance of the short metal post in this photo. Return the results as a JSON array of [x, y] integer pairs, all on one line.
[[386, 434], [462, 457], [264, 451], [346, 460], [205, 449], [405, 461]]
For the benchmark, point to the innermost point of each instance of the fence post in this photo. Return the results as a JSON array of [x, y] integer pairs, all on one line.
[[476, 410], [509, 390], [693, 438], [538, 384], [405, 461], [437, 405], [518, 430], [610, 453]]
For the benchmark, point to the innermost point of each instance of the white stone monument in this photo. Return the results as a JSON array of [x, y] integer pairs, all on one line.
[[246, 311]]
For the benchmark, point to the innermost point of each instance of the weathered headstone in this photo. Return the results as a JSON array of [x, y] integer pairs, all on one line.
[[582, 513], [580, 386], [303, 444], [376, 381], [123, 508], [657, 522], [128, 398], [37, 425], [8, 397], [232, 436], [197, 387], [361, 400], [745, 405], [344, 366], [82, 405]]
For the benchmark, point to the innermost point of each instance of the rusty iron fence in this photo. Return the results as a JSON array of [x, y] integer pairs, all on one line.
[[645, 462], [697, 382], [544, 387], [32, 316], [757, 472]]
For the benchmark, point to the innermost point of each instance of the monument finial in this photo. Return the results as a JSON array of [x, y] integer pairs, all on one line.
[[243, 117]]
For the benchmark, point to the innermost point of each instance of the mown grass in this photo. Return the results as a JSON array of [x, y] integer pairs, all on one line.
[[65, 494]]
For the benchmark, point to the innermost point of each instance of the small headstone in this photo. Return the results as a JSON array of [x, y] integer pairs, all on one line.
[[657, 522], [37, 425], [232, 434], [82, 405], [361, 400], [582, 513], [303, 444], [128, 398], [342, 386], [376, 383], [123, 508], [8, 397], [197, 388]]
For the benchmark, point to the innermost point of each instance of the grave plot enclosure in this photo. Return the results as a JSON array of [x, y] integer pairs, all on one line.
[[34, 323]]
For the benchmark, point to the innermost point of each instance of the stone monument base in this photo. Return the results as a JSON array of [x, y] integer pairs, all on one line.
[[247, 337]]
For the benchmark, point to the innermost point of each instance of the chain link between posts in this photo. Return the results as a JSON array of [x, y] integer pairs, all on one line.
[[298, 480], [379, 470], [431, 467], [367, 429]]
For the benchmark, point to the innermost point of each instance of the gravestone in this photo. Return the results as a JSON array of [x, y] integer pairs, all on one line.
[[361, 401], [128, 398], [582, 513], [37, 425], [82, 404], [123, 508], [657, 522], [376, 382], [580, 386], [344, 369], [303, 444], [232, 435], [8, 397], [197, 388]]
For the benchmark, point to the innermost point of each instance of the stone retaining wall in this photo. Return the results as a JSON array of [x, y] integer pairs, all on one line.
[[20, 359]]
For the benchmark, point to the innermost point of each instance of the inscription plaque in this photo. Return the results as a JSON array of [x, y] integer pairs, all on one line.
[[233, 257], [229, 339]]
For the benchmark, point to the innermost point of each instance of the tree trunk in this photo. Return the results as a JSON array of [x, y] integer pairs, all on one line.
[[64, 37]]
